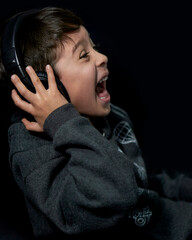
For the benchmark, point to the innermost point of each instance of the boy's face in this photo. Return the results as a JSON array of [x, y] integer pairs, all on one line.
[[83, 71]]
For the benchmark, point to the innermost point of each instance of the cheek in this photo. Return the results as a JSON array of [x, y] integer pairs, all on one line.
[[83, 95], [82, 91], [79, 81], [68, 77]]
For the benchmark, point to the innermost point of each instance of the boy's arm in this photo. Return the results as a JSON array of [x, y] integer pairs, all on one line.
[[78, 180], [77, 172]]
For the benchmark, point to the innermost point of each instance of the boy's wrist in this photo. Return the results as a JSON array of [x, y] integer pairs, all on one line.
[[59, 117]]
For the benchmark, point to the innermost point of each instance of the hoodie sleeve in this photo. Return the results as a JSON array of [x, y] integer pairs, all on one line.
[[79, 182], [175, 186]]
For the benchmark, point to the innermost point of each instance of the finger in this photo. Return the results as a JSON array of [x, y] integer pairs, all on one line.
[[31, 126], [51, 78], [21, 87], [35, 80], [20, 103]]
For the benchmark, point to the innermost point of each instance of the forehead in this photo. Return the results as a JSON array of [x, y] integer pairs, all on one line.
[[79, 36]]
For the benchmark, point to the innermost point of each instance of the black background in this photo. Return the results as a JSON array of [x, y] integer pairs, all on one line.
[[149, 51]]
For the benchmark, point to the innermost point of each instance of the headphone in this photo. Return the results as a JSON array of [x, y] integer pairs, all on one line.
[[12, 57]]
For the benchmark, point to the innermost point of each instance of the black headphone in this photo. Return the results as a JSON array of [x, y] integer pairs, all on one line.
[[12, 57]]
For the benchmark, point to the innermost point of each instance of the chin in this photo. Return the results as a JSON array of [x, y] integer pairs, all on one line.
[[97, 111], [107, 111], [104, 111]]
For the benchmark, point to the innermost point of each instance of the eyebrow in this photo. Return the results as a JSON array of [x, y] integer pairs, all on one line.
[[76, 46]]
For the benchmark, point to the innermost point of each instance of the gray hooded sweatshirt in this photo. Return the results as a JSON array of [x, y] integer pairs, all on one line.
[[80, 180]]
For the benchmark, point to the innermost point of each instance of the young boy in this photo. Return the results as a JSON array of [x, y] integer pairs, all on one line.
[[78, 163]]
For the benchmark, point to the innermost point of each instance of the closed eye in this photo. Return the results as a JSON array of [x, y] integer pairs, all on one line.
[[84, 55]]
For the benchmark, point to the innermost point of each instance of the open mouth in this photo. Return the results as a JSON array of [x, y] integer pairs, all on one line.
[[101, 90]]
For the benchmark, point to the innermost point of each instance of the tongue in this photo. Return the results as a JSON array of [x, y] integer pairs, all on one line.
[[102, 94], [101, 90]]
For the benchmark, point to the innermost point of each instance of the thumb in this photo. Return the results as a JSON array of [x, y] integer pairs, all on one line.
[[31, 126]]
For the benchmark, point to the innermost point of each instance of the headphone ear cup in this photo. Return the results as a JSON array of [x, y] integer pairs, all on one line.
[[44, 79]]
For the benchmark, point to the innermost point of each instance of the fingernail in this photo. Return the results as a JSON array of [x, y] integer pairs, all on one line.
[[13, 91], [13, 77], [28, 67]]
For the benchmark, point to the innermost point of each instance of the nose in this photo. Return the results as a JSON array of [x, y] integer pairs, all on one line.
[[101, 60]]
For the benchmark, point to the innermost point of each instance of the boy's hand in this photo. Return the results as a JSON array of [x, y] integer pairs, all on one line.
[[41, 103]]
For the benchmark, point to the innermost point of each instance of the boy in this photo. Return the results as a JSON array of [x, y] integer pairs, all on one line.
[[79, 164]]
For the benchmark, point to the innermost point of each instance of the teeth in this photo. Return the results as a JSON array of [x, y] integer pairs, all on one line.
[[103, 79]]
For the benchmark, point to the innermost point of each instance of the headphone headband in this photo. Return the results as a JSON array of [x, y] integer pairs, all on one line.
[[11, 56]]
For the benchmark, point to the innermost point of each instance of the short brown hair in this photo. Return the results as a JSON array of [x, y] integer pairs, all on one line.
[[42, 33]]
